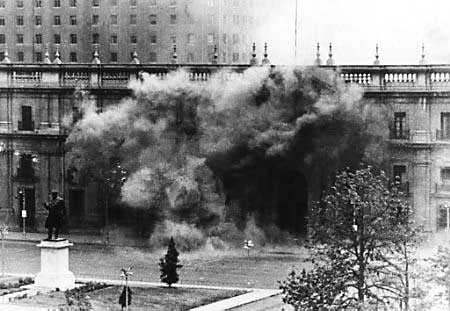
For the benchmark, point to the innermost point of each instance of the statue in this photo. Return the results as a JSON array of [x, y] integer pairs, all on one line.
[[56, 214]]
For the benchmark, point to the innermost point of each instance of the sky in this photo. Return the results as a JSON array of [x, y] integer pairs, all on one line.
[[356, 26]]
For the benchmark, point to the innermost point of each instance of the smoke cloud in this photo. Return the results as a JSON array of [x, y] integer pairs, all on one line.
[[240, 153]]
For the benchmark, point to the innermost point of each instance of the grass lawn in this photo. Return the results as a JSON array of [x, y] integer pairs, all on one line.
[[154, 298]]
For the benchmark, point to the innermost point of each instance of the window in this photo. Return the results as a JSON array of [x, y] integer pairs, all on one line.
[[73, 39], [96, 3], [38, 38], [211, 3], [73, 3], [114, 57], [56, 20], [20, 56], [2, 39], [2, 56], [173, 39], [57, 38], [173, 2], [19, 3], [443, 216], [153, 39], [73, 57], [19, 20], [113, 19], [38, 20], [173, 19], [235, 38], [26, 123], [152, 2], [153, 57], [211, 19], [56, 3], [235, 57], [210, 38], [190, 38], [25, 169], [95, 19], [224, 57], [445, 175], [38, 3], [38, 56], [399, 130], [236, 19], [114, 2], [133, 39], [399, 173], [133, 19], [19, 38], [2, 21], [224, 38], [153, 19], [190, 58], [2, 3], [73, 19], [114, 39], [133, 2], [235, 3], [95, 38], [224, 20], [445, 125]]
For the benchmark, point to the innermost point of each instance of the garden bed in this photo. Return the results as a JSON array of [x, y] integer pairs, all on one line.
[[104, 297], [13, 285]]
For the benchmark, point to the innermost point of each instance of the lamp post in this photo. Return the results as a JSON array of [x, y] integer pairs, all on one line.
[[126, 273], [248, 244]]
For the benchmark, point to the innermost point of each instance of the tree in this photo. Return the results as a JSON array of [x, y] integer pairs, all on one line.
[[361, 232], [169, 265]]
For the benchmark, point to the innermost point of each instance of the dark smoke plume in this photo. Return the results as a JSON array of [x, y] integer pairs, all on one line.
[[241, 153]]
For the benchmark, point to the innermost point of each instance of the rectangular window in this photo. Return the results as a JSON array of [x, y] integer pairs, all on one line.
[[211, 19], [133, 19], [113, 19], [445, 125], [190, 38], [56, 20], [235, 57], [95, 19], [73, 3], [114, 2], [399, 173], [25, 169], [2, 39], [173, 19], [133, 39], [73, 39], [57, 38], [173, 39], [173, 2], [224, 57], [210, 38], [153, 39], [95, 3], [38, 3], [73, 57], [19, 3], [224, 38], [400, 130], [235, 3], [2, 3], [114, 57], [56, 3], [190, 58], [114, 39], [2, 21], [133, 2], [224, 21], [153, 57], [19, 20], [27, 119], [235, 38], [38, 20], [20, 56], [236, 19], [38, 39], [38, 56], [445, 175], [152, 19], [19, 38], [95, 38], [73, 19], [152, 2]]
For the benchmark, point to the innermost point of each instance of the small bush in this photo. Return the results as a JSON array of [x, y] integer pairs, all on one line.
[[169, 265]]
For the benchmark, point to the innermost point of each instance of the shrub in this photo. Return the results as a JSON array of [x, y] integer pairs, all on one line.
[[169, 265]]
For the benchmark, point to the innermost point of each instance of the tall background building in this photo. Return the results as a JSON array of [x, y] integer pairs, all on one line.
[[120, 27]]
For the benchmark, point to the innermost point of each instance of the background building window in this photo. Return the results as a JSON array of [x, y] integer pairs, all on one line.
[[20, 56], [235, 38], [133, 2], [210, 38], [190, 38], [19, 3], [57, 39], [152, 19], [235, 57], [400, 127], [133, 39], [73, 3], [114, 57], [38, 3], [114, 39], [113, 2], [56, 20], [445, 124], [73, 19], [190, 57], [73, 39], [2, 21], [38, 20], [38, 39], [56, 3], [2, 3], [173, 19], [19, 38], [95, 38], [2, 39], [153, 57], [38, 56], [153, 39], [19, 20], [73, 57], [113, 19], [173, 2], [95, 19], [95, 3], [133, 19], [26, 123], [25, 169], [173, 39], [152, 2]]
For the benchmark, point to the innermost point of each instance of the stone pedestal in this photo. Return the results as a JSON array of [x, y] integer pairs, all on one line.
[[55, 265]]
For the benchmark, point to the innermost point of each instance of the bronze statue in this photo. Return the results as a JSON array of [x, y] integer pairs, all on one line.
[[56, 214]]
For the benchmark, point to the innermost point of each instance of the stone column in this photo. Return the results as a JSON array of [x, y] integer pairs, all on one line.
[[55, 265]]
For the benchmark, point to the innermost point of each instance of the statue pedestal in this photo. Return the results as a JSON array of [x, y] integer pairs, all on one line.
[[55, 265]]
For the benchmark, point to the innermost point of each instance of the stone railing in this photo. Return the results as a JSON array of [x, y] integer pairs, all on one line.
[[20, 75], [396, 77]]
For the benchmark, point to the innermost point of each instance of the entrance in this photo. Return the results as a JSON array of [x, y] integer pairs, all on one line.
[[27, 201]]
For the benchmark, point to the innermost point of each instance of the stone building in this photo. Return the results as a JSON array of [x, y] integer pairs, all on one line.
[[120, 27]]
